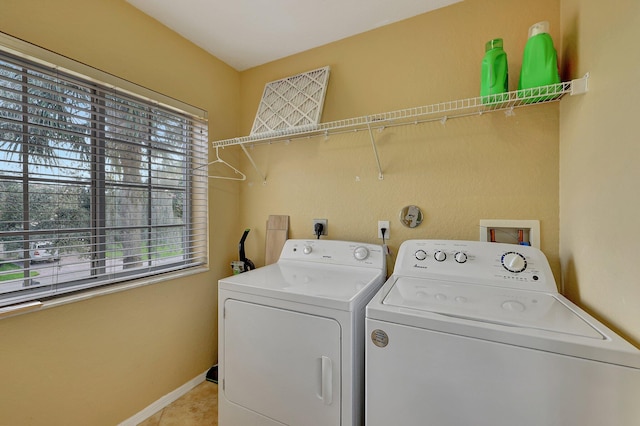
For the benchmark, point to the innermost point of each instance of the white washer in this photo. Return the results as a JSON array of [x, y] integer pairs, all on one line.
[[475, 333], [291, 336]]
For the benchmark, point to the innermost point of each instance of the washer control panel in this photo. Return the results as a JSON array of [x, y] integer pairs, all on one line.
[[505, 265]]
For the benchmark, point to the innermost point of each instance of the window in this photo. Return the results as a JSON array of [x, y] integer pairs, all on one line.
[[97, 185]]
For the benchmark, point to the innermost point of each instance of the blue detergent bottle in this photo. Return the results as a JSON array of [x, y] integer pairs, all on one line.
[[494, 78], [539, 66]]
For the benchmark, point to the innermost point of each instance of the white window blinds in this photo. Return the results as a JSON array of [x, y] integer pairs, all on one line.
[[97, 185]]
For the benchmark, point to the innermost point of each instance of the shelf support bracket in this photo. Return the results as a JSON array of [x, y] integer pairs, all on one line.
[[253, 163], [580, 85], [375, 150]]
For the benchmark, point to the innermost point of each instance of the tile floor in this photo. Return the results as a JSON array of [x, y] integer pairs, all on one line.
[[198, 407]]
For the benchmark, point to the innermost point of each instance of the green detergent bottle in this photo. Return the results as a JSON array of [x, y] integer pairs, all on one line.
[[539, 66], [494, 78]]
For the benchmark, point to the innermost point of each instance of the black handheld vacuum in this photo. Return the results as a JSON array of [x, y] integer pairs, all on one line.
[[244, 264]]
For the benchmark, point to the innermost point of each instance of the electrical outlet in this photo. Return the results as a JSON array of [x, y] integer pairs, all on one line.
[[325, 226], [383, 224]]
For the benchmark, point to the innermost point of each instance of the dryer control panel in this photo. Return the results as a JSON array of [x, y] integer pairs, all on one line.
[[476, 262], [335, 252]]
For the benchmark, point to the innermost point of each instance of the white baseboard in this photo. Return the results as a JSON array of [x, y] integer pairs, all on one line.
[[164, 401]]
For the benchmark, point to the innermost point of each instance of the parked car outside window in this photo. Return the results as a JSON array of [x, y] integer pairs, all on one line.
[[43, 251]]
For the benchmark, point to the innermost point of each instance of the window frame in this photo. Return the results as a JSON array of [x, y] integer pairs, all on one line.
[[196, 187]]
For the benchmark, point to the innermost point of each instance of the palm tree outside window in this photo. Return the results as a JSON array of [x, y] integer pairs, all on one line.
[[97, 185]]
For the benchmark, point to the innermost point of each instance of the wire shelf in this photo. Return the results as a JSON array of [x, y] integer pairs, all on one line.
[[440, 111]]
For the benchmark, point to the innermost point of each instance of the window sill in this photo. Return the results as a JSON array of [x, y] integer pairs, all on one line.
[[36, 306]]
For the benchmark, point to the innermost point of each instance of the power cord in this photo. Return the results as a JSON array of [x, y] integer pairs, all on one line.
[[318, 228], [385, 247]]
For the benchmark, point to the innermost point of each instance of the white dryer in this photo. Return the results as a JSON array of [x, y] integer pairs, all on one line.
[[474, 333], [291, 336]]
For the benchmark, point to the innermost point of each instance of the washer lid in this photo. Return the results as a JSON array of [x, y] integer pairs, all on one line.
[[333, 286], [503, 306]]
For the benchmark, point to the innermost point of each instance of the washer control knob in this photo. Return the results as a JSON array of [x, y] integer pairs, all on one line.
[[461, 257], [440, 256], [514, 261], [421, 255], [307, 249], [361, 253]]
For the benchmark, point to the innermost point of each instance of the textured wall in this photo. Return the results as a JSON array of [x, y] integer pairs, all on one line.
[[599, 163], [472, 168]]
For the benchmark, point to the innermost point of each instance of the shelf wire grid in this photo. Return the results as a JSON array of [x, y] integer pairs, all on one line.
[[440, 111]]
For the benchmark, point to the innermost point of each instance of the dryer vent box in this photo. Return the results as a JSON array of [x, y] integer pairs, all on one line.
[[525, 232]]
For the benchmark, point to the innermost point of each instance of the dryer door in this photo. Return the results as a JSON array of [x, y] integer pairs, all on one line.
[[282, 364]]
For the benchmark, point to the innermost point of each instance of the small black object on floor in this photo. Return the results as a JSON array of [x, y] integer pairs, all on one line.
[[212, 374]]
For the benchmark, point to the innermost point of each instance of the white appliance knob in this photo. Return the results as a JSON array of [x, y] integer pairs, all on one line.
[[361, 253], [461, 257], [421, 255], [440, 256], [307, 249], [513, 306], [514, 262]]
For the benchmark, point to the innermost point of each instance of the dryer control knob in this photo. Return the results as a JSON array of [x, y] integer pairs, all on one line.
[[361, 253], [461, 257], [513, 306], [514, 262], [440, 256], [421, 255], [307, 249]]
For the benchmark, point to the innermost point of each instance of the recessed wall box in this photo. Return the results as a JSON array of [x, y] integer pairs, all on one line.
[[525, 232]]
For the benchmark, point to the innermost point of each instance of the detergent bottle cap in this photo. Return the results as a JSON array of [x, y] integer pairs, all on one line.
[[492, 44], [539, 28]]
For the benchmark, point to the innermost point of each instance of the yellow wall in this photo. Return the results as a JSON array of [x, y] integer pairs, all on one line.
[[600, 162], [480, 167], [100, 361]]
